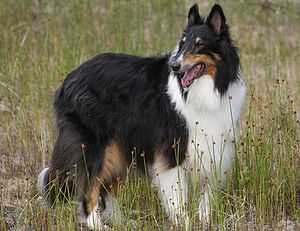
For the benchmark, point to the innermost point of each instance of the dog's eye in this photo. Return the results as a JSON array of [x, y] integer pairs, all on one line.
[[199, 44]]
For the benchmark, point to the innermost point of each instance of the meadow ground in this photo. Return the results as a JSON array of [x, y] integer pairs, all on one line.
[[41, 41]]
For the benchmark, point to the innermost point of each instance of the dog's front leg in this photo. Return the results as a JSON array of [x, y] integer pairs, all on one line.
[[172, 187], [204, 206]]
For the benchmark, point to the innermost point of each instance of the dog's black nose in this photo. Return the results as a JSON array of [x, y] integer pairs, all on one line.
[[175, 66]]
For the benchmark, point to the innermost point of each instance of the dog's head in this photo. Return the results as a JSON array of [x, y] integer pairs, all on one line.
[[205, 50]]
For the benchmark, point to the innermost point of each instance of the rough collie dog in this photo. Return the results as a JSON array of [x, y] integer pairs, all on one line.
[[176, 114]]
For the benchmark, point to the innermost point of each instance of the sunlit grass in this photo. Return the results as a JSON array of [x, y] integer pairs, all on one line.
[[41, 41]]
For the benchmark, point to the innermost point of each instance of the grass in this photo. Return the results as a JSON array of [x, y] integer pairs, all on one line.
[[41, 41]]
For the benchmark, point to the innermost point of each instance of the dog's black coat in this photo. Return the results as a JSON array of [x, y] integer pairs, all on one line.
[[117, 97]]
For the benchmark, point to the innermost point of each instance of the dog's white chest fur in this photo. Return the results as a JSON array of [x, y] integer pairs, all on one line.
[[211, 121]]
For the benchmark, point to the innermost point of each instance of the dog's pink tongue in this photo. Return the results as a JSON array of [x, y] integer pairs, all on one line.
[[188, 77], [192, 74]]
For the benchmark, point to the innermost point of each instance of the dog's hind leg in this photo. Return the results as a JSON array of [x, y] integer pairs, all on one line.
[[113, 171], [104, 185], [89, 195], [76, 162], [111, 213], [89, 209]]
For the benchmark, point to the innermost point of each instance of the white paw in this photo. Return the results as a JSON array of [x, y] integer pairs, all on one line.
[[94, 221]]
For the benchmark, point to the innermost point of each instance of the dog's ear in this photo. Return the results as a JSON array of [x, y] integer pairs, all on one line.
[[194, 17], [216, 19]]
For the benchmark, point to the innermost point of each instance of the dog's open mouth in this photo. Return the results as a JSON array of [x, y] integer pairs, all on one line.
[[193, 73]]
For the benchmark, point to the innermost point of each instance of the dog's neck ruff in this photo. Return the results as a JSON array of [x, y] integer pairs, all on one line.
[[204, 99], [210, 118]]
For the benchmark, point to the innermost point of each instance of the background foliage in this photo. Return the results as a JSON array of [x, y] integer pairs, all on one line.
[[41, 41]]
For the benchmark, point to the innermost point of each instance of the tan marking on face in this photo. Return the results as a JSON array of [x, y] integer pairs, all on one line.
[[211, 67]]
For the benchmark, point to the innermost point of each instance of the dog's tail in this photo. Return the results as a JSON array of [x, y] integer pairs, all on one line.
[[42, 182]]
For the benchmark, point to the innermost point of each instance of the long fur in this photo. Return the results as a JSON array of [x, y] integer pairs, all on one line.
[[116, 110]]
